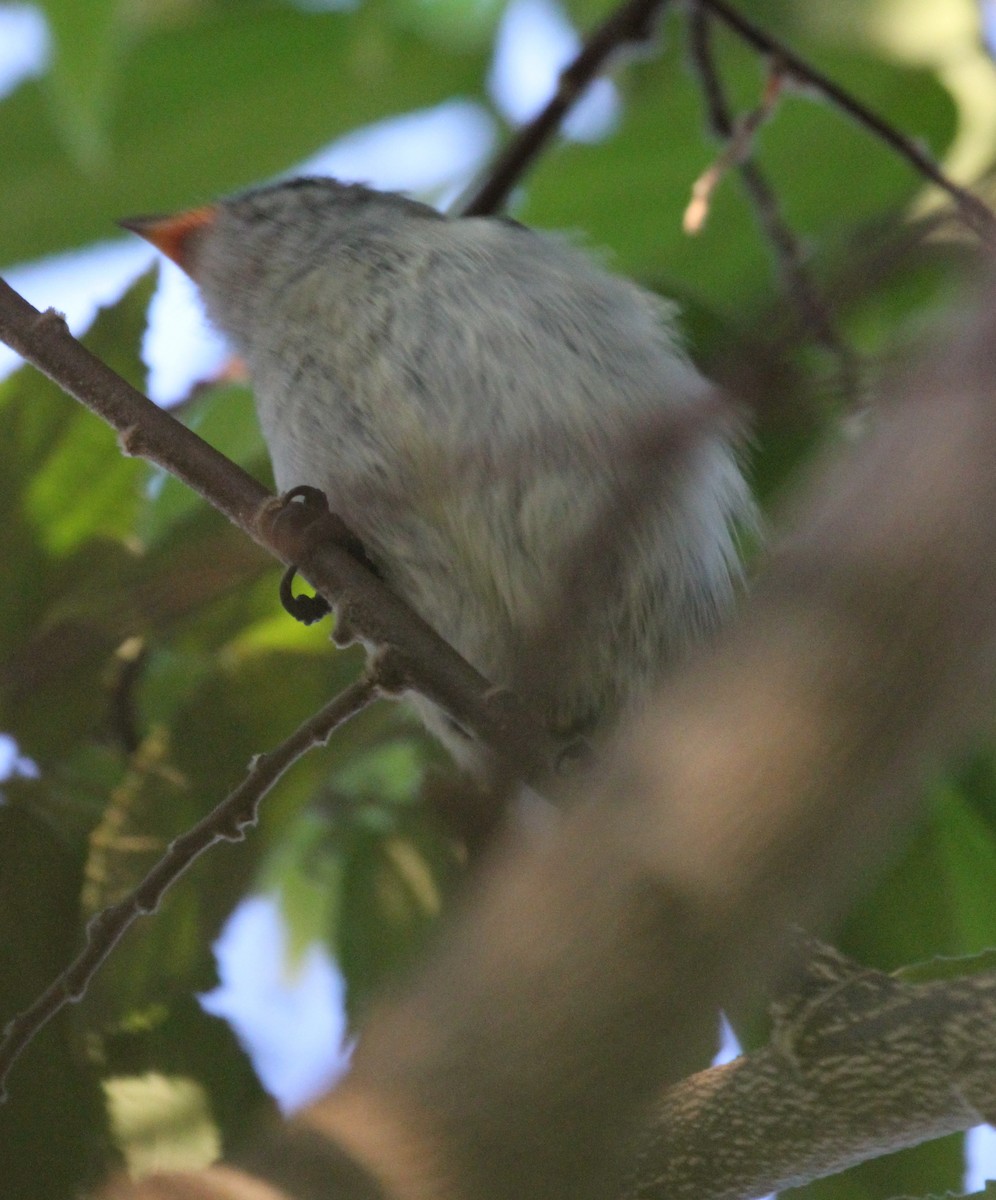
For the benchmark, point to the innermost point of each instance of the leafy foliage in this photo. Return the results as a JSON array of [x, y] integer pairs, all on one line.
[[143, 655]]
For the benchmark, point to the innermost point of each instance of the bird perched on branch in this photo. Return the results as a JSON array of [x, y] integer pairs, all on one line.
[[515, 435]]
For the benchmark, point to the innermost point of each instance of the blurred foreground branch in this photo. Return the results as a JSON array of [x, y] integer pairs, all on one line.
[[765, 784]]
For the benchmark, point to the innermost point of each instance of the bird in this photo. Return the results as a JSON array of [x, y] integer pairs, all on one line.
[[516, 435]]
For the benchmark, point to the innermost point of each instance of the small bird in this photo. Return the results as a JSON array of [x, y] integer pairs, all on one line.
[[515, 435]]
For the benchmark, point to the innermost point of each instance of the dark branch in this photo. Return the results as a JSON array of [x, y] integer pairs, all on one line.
[[634, 21], [227, 822]]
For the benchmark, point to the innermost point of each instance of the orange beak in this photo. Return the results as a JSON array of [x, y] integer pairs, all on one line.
[[173, 235]]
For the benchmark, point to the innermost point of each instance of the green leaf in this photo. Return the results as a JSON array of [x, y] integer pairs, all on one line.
[[365, 870], [307, 880], [86, 50], [225, 416], [86, 486], [161, 1123], [393, 775], [943, 968], [392, 891], [219, 715], [939, 898], [69, 499], [54, 1142], [935, 1167], [456, 24], [180, 1039]]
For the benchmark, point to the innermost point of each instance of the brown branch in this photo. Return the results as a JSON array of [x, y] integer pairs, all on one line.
[[632, 21], [859, 1065], [227, 822], [975, 213], [365, 606], [738, 135]]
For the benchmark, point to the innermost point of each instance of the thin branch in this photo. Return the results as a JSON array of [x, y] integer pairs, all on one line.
[[632, 21], [737, 135], [976, 214], [814, 313], [364, 605], [858, 1066], [227, 822]]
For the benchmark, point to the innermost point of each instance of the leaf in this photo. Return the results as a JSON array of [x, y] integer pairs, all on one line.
[[391, 894], [180, 1039], [938, 899], [308, 882], [365, 870], [86, 486], [948, 967], [161, 1123], [393, 775], [219, 715], [86, 50], [935, 1167], [69, 502], [454, 24], [53, 1131], [81, 483], [225, 416]]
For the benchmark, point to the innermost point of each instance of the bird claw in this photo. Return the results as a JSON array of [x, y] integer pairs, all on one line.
[[299, 520], [303, 608]]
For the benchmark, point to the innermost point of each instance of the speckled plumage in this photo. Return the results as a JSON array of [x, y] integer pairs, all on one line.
[[467, 393]]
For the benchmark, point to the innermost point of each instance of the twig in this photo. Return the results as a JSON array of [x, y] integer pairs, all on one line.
[[632, 21], [425, 662], [738, 135], [788, 254], [227, 822], [975, 213]]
